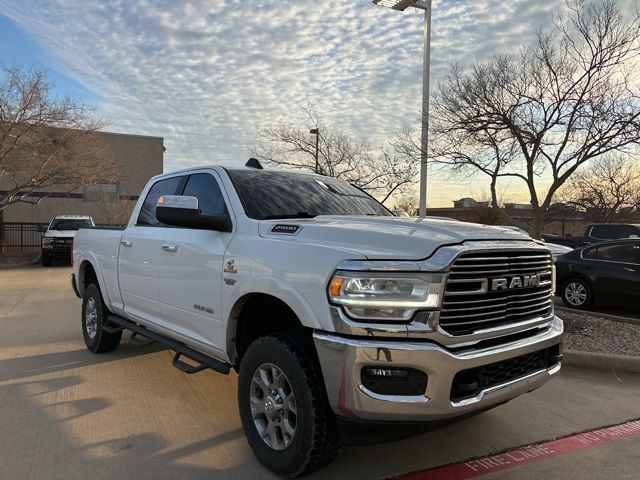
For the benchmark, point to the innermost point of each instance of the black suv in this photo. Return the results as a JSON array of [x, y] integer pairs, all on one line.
[[609, 231], [607, 270]]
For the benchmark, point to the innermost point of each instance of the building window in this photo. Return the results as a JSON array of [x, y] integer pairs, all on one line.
[[101, 192]]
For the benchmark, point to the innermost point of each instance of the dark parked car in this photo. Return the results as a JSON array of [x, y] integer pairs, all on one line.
[[604, 271], [609, 231]]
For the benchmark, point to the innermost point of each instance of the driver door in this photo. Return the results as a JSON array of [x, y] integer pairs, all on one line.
[[190, 284]]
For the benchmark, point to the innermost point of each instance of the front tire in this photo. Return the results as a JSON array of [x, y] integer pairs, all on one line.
[[283, 407], [46, 260], [577, 293], [94, 315]]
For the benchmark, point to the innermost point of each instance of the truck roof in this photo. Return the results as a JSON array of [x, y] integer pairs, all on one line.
[[72, 217]]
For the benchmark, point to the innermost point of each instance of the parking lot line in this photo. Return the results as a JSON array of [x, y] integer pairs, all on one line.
[[474, 468]]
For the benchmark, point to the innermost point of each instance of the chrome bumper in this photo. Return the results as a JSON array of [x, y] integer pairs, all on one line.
[[342, 360]]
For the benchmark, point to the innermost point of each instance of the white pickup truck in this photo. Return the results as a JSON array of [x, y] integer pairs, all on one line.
[[333, 311]]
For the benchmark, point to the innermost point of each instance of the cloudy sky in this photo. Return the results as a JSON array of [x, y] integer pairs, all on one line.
[[204, 74]]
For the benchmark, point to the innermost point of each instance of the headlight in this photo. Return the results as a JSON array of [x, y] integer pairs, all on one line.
[[47, 240], [385, 296]]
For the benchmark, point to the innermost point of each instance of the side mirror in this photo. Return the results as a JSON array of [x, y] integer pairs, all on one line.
[[41, 228], [181, 211]]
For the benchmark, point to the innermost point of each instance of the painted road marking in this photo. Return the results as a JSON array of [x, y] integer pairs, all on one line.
[[522, 456]]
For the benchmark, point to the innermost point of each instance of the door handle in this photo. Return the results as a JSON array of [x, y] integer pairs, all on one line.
[[170, 248], [126, 243]]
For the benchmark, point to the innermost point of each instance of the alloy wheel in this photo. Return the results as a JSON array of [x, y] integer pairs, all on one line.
[[91, 318], [576, 294]]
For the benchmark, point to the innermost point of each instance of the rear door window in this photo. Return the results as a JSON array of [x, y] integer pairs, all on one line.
[[168, 186]]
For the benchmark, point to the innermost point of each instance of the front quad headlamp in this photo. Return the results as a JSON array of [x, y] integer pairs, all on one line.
[[385, 296]]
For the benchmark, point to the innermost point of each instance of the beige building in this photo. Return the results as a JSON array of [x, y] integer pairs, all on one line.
[[137, 157]]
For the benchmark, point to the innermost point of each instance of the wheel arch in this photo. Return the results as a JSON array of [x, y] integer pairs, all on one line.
[[89, 272], [276, 315], [579, 275]]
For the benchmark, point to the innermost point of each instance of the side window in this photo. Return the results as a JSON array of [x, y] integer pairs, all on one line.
[[612, 232], [205, 188], [599, 232], [167, 186], [617, 253]]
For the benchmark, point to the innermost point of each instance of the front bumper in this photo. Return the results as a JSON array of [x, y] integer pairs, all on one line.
[[58, 249], [342, 360]]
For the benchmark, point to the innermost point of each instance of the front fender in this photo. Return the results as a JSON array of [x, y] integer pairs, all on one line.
[[279, 289]]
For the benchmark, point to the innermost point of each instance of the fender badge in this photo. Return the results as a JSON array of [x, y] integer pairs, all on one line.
[[204, 309], [288, 229], [230, 268]]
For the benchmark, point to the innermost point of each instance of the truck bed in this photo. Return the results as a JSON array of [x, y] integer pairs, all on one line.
[[103, 244]]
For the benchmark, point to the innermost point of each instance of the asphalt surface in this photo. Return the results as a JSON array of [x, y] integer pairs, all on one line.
[[66, 413]]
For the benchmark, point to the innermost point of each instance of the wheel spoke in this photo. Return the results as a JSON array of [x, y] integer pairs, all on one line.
[[273, 406], [290, 404]]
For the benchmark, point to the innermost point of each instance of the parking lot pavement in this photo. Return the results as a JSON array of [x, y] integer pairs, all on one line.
[[66, 413], [628, 311]]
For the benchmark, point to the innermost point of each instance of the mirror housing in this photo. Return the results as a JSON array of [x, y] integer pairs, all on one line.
[[182, 211], [41, 228]]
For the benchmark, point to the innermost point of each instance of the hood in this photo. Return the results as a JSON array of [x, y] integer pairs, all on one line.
[[558, 249], [61, 233], [384, 237]]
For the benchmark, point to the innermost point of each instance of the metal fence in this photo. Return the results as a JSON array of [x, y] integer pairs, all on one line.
[[16, 238]]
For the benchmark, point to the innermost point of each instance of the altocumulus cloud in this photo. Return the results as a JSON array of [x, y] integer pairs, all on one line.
[[204, 74]]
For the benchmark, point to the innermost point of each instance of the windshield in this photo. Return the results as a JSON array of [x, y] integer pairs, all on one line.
[[70, 224], [272, 195]]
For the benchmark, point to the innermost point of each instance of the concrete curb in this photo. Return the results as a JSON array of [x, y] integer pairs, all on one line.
[[601, 361], [607, 316]]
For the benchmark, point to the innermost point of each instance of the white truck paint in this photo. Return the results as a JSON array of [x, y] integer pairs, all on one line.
[[195, 285]]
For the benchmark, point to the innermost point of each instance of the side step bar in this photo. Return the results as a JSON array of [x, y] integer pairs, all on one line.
[[205, 361]]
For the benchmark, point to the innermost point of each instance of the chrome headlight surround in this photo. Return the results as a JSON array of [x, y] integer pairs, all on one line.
[[383, 296]]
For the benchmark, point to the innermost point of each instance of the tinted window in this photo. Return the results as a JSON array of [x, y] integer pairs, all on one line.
[[69, 224], [266, 195], [617, 253], [205, 188], [613, 231], [167, 186]]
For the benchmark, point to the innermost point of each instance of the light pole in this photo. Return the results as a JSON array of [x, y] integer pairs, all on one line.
[[316, 132], [424, 143]]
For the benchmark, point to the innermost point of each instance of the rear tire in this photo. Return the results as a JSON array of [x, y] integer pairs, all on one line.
[[283, 406], [94, 314], [577, 293], [46, 260]]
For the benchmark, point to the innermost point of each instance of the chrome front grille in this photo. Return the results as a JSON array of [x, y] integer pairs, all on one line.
[[490, 289]]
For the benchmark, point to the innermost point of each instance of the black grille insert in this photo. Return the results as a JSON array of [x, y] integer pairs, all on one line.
[[469, 383]]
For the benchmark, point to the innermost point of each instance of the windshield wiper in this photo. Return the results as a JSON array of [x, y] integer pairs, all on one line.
[[290, 215]]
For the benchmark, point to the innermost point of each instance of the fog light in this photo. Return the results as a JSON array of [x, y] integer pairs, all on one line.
[[394, 381], [383, 372]]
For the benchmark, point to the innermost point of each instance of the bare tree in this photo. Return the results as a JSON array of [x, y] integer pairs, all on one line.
[[538, 115], [116, 209], [45, 141], [607, 191], [340, 156], [408, 203]]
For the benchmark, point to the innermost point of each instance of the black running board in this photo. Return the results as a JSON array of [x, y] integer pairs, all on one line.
[[204, 360]]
